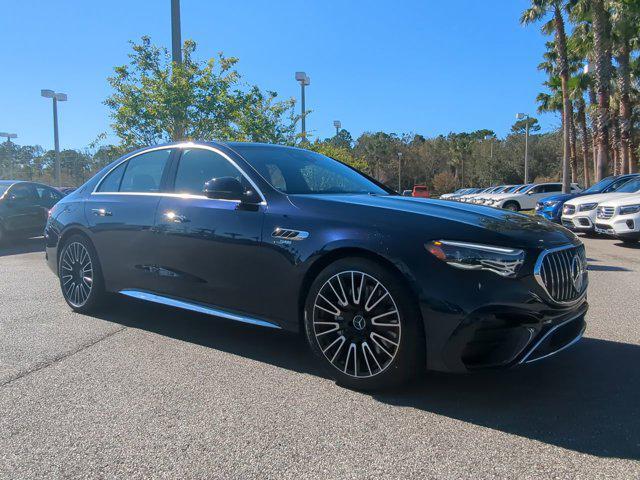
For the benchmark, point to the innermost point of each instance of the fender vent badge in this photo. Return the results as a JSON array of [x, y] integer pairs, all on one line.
[[288, 234]]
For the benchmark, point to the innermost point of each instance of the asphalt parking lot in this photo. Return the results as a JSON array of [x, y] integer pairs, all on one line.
[[145, 391]]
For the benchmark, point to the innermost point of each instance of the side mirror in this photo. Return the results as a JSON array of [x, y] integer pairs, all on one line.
[[228, 188]]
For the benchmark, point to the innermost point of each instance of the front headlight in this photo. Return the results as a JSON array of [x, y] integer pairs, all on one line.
[[503, 261], [629, 209], [587, 206], [551, 203]]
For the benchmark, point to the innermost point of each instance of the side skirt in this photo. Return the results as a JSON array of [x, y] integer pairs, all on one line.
[[196, 307]]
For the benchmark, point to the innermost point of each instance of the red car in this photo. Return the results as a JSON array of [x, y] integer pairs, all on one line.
[[420, 191]]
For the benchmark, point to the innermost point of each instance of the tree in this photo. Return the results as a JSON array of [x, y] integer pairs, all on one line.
[[625, 18], [342, 139], [540, 9], [444, 182], [155, 101], [520, 126]]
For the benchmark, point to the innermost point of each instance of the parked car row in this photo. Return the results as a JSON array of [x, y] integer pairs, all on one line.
[[509, 197], [612, 208]]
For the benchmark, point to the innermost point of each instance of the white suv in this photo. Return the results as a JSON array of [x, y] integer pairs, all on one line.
[[620, 218], [526, 198], [579, 214]]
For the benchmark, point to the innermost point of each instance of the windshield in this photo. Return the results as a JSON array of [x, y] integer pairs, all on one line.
[[303, 172], [600, 186], [515, 188], [632, 186]]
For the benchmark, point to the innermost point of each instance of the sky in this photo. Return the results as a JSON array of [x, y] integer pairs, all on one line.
[[421, 66]]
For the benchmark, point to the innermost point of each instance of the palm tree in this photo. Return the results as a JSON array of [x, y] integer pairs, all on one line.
[[538, 10], [625, 18], [602, 76], [578, 85]]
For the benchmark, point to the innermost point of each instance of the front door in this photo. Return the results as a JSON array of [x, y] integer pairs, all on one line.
[[210, 250]]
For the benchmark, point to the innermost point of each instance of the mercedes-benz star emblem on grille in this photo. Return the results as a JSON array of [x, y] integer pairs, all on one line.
[[577, 273]]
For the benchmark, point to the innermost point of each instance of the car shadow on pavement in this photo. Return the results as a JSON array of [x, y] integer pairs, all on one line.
[[607, 268], [20, 246], [584, 399]]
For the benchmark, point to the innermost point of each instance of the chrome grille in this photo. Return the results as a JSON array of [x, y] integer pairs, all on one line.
[[569, 209], [562, 272], [605, 212]]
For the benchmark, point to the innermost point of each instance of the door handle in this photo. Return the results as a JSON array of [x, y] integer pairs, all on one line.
[[175, 218], [101, 212]]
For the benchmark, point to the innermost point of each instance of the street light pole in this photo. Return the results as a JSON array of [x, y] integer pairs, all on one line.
[[400, 172], [526, 117], [9, 136], [176, 37], [57, 97], [304, 81], [338, 125]]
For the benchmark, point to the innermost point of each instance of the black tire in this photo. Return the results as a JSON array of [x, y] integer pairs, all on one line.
[[73, 270], [511, 205], [397, 348]]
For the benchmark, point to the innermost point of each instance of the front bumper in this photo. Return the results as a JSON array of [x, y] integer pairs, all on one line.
[[507, 337], [621, 226], [550, 213], [479, 320], [579, 222]]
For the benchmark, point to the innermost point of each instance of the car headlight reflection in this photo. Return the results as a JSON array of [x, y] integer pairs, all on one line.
[[502, 261], [585, 207], [629, 209]]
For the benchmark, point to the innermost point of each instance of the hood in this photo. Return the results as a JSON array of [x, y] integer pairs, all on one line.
[[597, 198], [561, 197], [442, 219], [628, 199]]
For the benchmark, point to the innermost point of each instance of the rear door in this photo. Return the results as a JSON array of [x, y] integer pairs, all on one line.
[[121, 214], [539, 192]]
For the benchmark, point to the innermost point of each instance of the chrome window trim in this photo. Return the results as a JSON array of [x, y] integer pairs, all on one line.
[[188, 145], [196, 307], [538, 276]]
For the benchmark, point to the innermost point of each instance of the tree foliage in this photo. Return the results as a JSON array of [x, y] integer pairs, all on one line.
[[155, 100]]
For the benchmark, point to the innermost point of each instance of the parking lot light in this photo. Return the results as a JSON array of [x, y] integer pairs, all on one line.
[[525, 116], [304, 81], [56, 97]]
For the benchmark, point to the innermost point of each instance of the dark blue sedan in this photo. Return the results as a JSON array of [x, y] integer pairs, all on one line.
[[285, 238], [551, 207]]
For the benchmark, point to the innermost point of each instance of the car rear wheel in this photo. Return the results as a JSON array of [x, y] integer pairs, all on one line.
[[513, 206], [363, 325], [80, 274]]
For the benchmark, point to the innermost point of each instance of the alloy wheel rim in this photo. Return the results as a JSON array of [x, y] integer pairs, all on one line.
[[76, 272], [357, 324]]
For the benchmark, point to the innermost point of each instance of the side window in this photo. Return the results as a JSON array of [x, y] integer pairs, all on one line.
[[537, 189], [48, 196], [198, 166], [111, 183], [143, 172], [23, 193], [555, 187]]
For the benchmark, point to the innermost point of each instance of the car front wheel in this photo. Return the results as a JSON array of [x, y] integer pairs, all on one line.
[[80, 274], [363, 325], [513, 206]]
